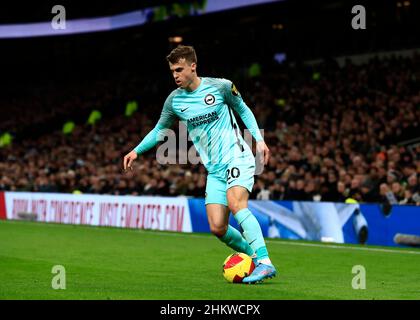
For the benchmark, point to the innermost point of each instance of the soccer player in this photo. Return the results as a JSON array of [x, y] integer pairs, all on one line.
[[205, 106]]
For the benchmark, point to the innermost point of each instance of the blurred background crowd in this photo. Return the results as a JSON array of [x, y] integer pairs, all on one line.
[[334, 133], [335, 130]]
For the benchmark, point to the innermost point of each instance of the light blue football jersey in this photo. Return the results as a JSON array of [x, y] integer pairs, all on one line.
[[208, 115]]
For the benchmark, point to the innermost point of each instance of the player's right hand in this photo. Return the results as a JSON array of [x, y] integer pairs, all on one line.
[[128, 160]]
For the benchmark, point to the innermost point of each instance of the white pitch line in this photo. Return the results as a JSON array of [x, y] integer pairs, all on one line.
[[343, 247], [292, 243]]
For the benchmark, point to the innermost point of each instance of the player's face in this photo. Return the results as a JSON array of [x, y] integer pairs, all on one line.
[[183, 73]]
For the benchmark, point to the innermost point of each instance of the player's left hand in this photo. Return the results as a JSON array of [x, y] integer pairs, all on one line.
[[263, 151]]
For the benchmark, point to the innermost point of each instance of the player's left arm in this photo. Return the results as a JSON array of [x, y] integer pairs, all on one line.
[[234, 100]]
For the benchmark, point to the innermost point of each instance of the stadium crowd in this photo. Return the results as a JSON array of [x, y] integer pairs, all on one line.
[[334, 133]]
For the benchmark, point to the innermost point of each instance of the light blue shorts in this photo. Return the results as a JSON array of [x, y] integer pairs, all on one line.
[[238, 173]]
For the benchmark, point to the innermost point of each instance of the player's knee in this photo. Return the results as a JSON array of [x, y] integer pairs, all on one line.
[[236, 205], [237, 200], [218, 230]]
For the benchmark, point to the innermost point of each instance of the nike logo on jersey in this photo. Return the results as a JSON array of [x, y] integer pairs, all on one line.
[[182, 110]]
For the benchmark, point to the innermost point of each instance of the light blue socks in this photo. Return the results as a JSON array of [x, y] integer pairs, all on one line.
[[253, 234], [234, 239]]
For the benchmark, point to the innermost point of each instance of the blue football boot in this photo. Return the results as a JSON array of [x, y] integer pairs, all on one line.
[[260, 273]]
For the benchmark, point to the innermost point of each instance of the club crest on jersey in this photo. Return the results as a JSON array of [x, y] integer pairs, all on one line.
[[235, 91], [209, 99]]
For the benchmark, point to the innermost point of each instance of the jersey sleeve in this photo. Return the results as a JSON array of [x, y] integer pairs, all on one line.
[[166, 120], [234, 100]]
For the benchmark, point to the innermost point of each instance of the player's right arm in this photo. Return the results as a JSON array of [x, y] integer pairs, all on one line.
[[166, 120]]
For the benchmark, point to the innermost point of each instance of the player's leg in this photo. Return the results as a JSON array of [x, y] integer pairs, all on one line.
[[238, 203], [240, 182], [218, 215]]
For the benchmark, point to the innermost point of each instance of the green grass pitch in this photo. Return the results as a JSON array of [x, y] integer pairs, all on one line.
[[114, 263]]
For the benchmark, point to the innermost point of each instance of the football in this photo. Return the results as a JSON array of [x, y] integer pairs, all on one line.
[[237, 266]]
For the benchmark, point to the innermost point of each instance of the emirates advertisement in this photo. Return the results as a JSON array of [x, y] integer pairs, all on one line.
[[155, 213]]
